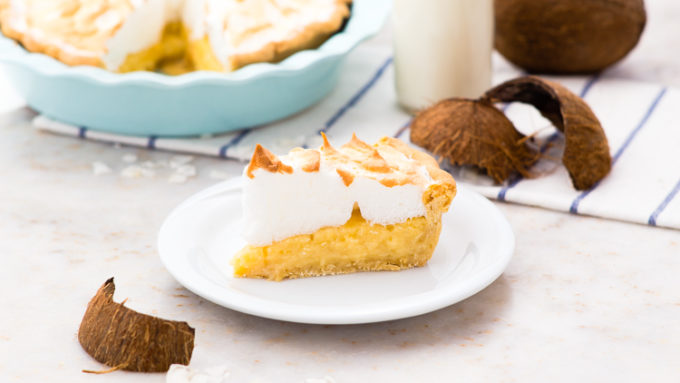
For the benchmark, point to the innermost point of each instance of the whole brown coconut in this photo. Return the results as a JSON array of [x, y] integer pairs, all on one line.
[[567, 36]]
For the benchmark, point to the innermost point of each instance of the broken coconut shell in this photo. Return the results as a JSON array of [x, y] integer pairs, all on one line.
[[127, 340], [470, 132], [567, 36], [586, 152]]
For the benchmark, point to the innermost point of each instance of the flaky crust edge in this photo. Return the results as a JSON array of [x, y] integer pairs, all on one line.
[[439, 195], [35, 46], [311, 37]]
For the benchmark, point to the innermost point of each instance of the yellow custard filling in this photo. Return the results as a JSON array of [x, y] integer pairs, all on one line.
[[355, 246], [166, 53], [202, 57]]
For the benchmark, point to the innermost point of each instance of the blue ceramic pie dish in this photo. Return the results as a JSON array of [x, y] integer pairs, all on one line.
[[146, 103]]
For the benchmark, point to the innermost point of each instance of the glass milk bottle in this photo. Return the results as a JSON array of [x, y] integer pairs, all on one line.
[[442, 49]]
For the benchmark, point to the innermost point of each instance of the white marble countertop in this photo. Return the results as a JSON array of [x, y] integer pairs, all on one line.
[[583, 299]]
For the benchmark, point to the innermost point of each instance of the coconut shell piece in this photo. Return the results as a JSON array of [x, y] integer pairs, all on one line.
[[567, 36], [127, 340], [470, 132], [586, 152]]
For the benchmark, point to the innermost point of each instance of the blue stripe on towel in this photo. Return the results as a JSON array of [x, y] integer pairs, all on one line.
[[82, 132], [151, 143], [514, 182], [574, 205], [544, 147], [589, 84], [352, 101], [663, 204], [504, 189], [234, 141]]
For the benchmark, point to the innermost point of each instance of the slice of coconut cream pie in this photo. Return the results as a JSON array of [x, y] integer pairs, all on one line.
[[332, 211]]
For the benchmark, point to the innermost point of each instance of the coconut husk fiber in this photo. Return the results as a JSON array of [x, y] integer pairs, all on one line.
[[473, 132], [127, 340], [586, 152]]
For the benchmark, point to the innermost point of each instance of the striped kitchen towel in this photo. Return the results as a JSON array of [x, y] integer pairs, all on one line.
[[640, 120]]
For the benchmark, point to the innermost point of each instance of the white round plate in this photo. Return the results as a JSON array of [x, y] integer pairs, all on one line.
[[201, 235]]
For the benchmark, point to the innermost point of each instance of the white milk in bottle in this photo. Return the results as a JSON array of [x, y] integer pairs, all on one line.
[[442, 49]]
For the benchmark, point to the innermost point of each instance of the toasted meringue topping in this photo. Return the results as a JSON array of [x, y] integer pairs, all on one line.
[[87, 32], [264, 159], [237, 29], [84, 25], [308, 189], [347, 177], [355, 158], [311, 160]]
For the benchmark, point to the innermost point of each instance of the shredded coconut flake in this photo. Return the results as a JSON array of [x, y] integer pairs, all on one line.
[[183, 374], [99, 168], [136, 171], [186, 170], [130, 158], [178, 161], [150, 165]]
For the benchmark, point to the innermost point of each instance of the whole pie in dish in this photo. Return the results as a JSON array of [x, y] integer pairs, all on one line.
[[340, 210], [171, 35]]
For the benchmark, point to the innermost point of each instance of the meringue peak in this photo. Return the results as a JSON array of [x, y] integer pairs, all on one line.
[[264, 159], [327, 147]]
